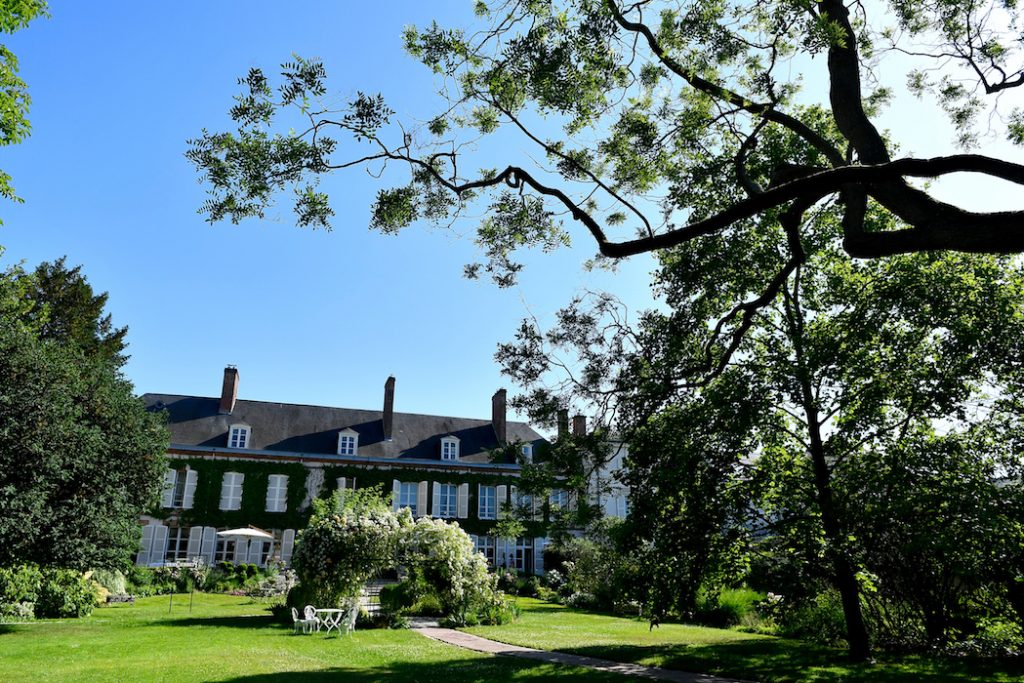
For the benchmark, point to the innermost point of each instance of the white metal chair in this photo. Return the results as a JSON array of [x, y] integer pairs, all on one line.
[[311, 617], [305, 624]]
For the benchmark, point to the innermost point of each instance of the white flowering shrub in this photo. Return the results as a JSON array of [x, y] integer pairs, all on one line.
[[443, 554]]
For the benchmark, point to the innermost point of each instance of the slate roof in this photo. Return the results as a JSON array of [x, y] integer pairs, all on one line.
[[195, 421]]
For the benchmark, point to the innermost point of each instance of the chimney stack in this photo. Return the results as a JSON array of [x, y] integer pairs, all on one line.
[[498, 416], [579, 425], [229, 390], [389, 407], [563, 422]]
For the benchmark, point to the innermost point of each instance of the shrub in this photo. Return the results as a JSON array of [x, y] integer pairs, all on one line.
[[728, 607], [820, 619], [19, 584], [113, 581], [65, 593]]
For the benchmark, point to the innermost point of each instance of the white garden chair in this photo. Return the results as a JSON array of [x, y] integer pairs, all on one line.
[[311, 617], [306, 625]]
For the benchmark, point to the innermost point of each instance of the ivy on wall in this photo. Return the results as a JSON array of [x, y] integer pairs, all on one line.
[[206, 502]]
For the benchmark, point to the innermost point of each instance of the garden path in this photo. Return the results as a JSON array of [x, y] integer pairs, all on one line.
[[478, 644]]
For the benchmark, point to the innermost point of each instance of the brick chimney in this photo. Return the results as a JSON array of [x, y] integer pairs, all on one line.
[[563, 422], [389, 408], [579, 425], [498, 416], [229, 390]]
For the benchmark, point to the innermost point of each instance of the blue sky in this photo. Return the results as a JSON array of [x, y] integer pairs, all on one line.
[[308, 317]]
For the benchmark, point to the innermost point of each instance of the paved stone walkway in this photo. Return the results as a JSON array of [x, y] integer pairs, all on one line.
[[471, 642]]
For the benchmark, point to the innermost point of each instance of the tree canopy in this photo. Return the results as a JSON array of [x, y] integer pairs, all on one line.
[[14, 98], [653, 123], [80, 457]]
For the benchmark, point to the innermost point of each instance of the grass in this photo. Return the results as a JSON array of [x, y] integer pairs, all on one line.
[[727, 653], [227, 638]]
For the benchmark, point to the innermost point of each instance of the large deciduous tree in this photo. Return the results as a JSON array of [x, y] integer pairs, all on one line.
[[14, 98], [80, 458], [638, 113]]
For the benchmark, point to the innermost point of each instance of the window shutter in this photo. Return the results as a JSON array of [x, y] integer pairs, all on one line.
[[195, 539], [538, 555], [209, 544], [241, 551], [159, 549], [421, 499], [145, 546], [225, 491], [287, 545], [513, 496], [170, 479], [435, 503], [191, 479], [396, 493], [463, 502], [571, 500], [499, 552], [501, 497], [255, 551]]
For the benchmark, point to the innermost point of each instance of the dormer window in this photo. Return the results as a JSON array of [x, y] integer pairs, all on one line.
[[348, 442], [238, 436], [527, 451], [450, 448]]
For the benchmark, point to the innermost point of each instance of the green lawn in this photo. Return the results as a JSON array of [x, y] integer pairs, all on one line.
[[233, 639], [727, 653]]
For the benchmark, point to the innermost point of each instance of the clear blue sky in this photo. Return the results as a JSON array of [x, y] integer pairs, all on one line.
[[308, 317]]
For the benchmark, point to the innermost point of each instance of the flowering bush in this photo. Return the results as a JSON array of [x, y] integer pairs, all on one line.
[[444, 554], [345, 546]]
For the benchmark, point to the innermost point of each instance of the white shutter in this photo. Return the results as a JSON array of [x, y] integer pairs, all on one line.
[[513, 496], [463, 505], [435, 505], [209, 544], [421, 499], [225, 491], [571, 500], [396, 494], [145, 545], [241, 551], [159, 550], [170, 479], [195, 538], [191, 478], [255, 551], [499, 552], [502, 496], [287, 545], [538, 555]]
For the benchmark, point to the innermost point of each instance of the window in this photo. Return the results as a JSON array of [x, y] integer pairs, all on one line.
[[231, 491], [277, 493], [449, 499], [559, 498], [522, 558], [485, 545], [523, 503], [408, 494], [487, 503], [179, 488], [527, 451], [238, 436], [449, 448], [225, 550], [177, 545], [348, 442]]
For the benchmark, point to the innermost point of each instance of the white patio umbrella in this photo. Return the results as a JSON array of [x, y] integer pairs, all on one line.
[[247, 533]]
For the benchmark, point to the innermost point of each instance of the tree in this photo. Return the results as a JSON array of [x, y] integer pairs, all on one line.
[[80, 458], [14, 99], [659, 104], [69, 312]]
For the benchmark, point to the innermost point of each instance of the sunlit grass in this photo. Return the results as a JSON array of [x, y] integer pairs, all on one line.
[[725, 652], [227, 638]]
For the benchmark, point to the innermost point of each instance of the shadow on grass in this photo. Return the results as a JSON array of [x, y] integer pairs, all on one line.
[[451, 671], [775, 661], [261, 621]]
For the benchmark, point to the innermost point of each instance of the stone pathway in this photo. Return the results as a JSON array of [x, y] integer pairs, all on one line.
[[478, 644]]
